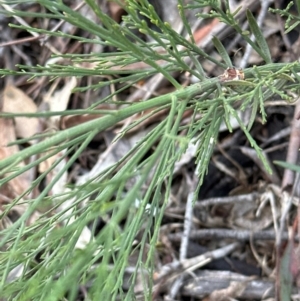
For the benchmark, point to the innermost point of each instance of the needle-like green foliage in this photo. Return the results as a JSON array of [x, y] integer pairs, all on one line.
[[50, 266]]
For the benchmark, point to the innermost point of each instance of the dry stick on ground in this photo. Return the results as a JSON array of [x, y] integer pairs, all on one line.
[[243, 198], [171, 271], [188, 219], [293, 150], [279, 135], [206, 282], [220, 233]]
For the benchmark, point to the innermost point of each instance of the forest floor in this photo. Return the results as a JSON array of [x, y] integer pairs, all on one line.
[[232, 251]]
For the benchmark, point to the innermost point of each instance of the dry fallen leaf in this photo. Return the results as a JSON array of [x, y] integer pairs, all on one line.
[[16, 101], [59, 100], [116, 11], [19, 184]]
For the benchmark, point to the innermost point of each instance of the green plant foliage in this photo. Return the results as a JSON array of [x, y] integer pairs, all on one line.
[[292, 19], [262, 43], [101, 265]]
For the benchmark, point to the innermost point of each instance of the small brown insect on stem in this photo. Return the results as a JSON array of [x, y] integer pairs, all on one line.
[[232, 73]]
